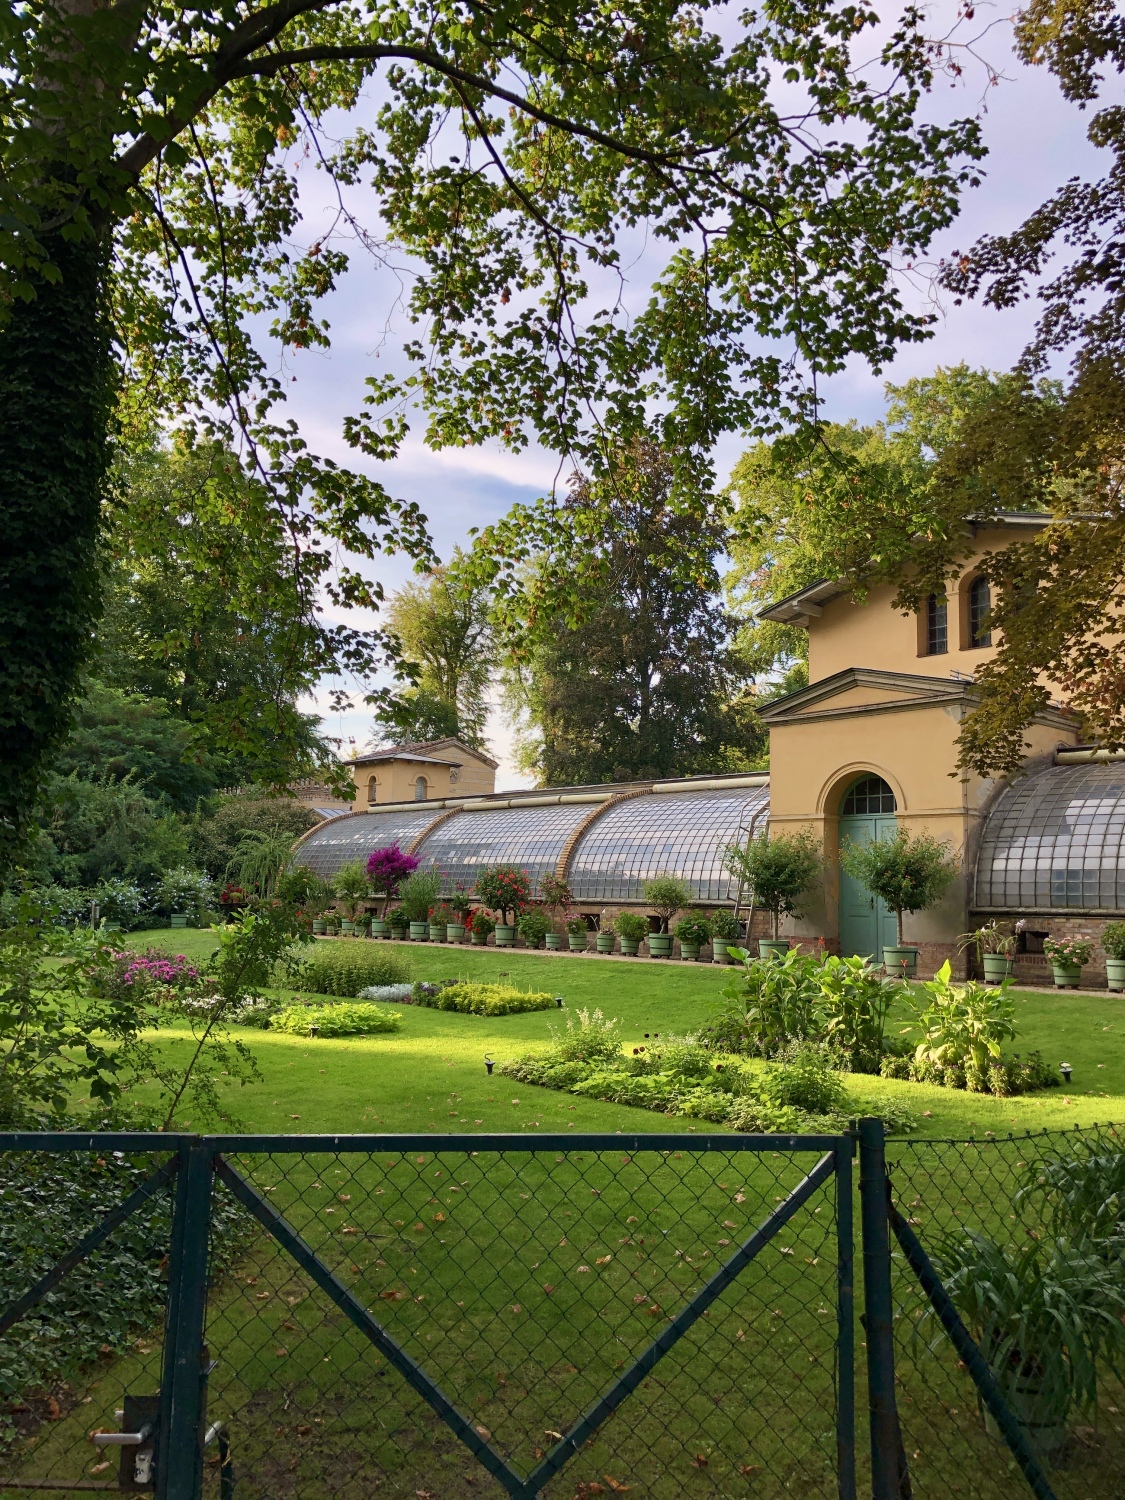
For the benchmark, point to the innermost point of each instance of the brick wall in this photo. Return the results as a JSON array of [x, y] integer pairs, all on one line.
[[1033, 968]]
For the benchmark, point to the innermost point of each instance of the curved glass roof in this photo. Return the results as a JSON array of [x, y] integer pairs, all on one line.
[[671, 833], [353, 837], [530, 837], [1056, 840]]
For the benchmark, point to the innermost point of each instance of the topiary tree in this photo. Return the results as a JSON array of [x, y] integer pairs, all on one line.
[[908, 872], [504, 888], [778, 870], [387, 868], [667, 895]]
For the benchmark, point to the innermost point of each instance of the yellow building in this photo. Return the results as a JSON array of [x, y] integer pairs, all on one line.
[[422, 772]]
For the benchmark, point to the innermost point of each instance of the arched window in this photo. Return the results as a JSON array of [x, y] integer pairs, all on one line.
[[980, 602], [937, 625], [420, 789], [871, 795], [372, 788]]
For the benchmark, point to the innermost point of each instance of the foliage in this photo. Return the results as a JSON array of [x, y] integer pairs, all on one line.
[[335, 1020], [387, 868], [667, 895], [616, 642], [1113, 939], [145, 976], [1081, 1196], [486, 999], [418, 893], [443, 632], [534, 926], [1045, 1315], [351, 887], [216, 834], [855, 1001], [398, 994], [963, 1023], [1003, 1077], [768, 1004], [805, 1080], [183, 889], [724, 924], [447, 915], [588, 1037], [482, 924], [630, 925], [503, 888], [693, 927], [398, 919], [261, 859], [908, 871], [575, 925], [119, 901], [556, 893], [1068, 952], [778, 870], [89, 831], [56, 1032], [346, 971], [993, 937]]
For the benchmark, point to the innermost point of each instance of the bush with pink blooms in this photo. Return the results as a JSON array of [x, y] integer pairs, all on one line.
[[386, 870], [149, 977]]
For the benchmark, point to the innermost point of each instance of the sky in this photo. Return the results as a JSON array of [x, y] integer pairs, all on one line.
[[1036, 141]]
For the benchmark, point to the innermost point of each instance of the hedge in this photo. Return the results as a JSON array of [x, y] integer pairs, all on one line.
[[481, 999], [336, 972], [335, 1020]]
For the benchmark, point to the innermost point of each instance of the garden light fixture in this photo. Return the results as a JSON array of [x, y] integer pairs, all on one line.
[[1064, 1069], [489, 1065], [559, 1001]]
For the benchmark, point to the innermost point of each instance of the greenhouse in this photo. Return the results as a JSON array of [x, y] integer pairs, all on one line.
[[1052, 841]]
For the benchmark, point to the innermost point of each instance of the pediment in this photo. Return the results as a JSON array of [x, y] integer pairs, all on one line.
[[864, 690]]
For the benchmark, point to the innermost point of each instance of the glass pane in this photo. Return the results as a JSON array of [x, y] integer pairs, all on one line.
[[354, 837], [937, 626], [1055, 840], [871, 795], [672, 833], [530, 837]]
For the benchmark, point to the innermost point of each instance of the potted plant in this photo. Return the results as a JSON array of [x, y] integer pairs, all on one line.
[[1067, 957], [666, 895], [576, 932], [557, 899], [398, 922], [506, 890], [693, 931], [1113, 942], [481, 926], [351, 889], [444, 921], [605, 937], [460, 904], [418, 894], [909, 872], [779, 871], [533, 926], [387, 868], [995, 947], [725, 929], [631, 928]]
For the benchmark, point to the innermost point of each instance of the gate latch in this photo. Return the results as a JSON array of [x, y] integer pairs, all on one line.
[[137, 1441]]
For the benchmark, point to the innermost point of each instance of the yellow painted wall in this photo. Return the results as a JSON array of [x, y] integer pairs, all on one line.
[[395, 779]]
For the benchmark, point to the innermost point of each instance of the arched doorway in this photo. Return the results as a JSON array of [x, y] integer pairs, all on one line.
[[867, 812]]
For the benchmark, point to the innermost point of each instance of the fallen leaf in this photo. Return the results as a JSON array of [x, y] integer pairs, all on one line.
[[280, 1353], [583, 1268], [745, 1469], [632, 1219], [100, 1468], [294, 1117], [516, 1308], [395, 1296], [740, 1197], [262, 1296], [729, 1224], [550, 1432], [700, 1461], [304, 1427], [548, 1288], [640, 1297], [439, 1218], [419, 1226], [344, 1197], [603, 1260], [484, 1432], [54, 1410], [615, 1484]]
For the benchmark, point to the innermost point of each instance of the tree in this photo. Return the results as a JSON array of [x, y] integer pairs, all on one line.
[[93, 830], [216, 833], [442, 628], [908, 871], [150, 206], [618, 647], [778, 870], [386, 869]]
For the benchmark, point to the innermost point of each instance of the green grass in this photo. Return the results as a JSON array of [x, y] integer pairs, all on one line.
[[431, 1074]]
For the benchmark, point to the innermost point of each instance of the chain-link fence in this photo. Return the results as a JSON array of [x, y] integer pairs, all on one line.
[[1025, 1233]]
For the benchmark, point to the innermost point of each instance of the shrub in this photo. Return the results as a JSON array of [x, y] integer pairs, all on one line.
[[505, 889], [693, 928], [387, 868], [855, 1001], [1081, 1197], [350, 886], [724, 924], [145, 976], [418, 893], [534, 926], [398, 919], [186, 890], [446, 915], [630, 925], [779, 870], [576, 925], [910, 872], [963, 1024], [332, 972], [588, 1037], [119, 901], [806, 1081], [397, 994], [1069, 952], [482, 999], [666, 895], [482, 924], [769, 1003], [1113, 939], [335, 1020]]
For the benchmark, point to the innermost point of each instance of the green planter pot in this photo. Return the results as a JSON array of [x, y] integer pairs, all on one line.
[[419, 932], [400, 934], [554, 941], [379, 928], [320, 926], [505, 936], [630, 947], [1038, 1415], [577, 941], [1115, 973], [660, 945], [480, 940], [347, 927], [997, 966], [332, 929], [178, 919], [604, 942], [719, 953], [437, 932], [769, 947], [901, 961], [112, 926], [1067, 976], [689, 952], [454, 932]]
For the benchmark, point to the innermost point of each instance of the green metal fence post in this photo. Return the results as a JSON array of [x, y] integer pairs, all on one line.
[[845, 1325], [889, 1477], [179, 1471]]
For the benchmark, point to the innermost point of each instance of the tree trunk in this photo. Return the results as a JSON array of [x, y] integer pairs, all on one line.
[[57, 377]]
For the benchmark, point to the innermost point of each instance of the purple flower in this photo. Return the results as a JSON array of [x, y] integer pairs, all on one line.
[[388, 868]]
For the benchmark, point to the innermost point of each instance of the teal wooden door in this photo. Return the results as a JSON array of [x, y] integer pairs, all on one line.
[[866, 925]]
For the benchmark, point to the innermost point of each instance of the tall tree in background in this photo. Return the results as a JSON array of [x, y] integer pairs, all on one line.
[[625, 670], [150, 205], [442, 629]]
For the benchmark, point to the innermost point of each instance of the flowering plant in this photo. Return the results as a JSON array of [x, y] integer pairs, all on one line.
[[1068, 952], [481, 923], [151, 975], [504, 889], [387, 869], [575, 924]]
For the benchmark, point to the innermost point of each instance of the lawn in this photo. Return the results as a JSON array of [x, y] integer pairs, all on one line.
[[431, 1074]]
